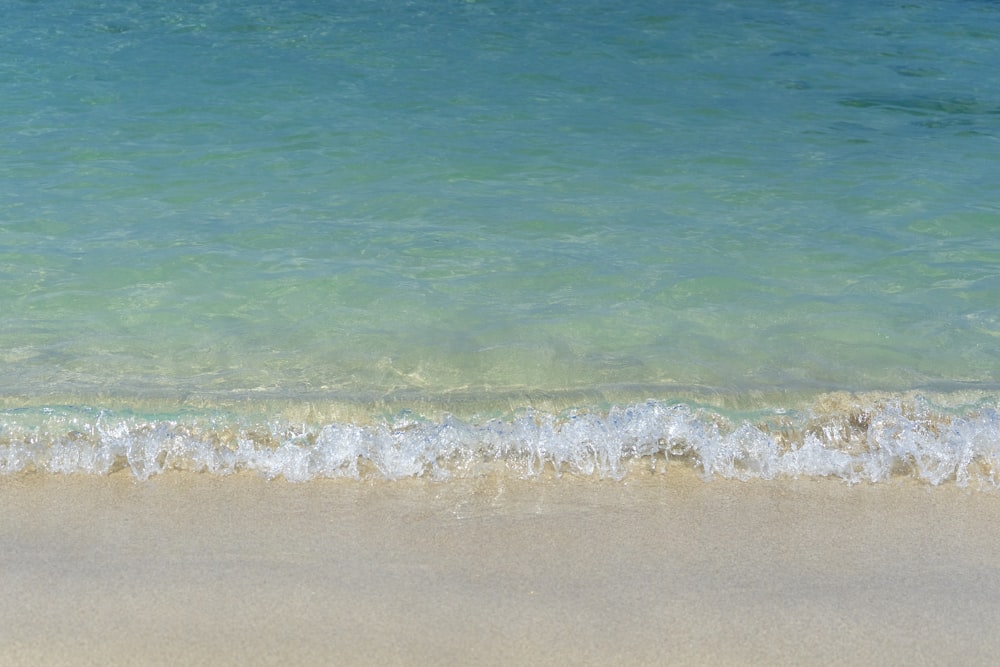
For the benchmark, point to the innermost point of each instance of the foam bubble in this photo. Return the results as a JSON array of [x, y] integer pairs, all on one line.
[[860, 442]]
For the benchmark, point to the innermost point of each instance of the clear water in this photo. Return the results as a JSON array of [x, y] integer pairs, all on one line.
[[229, 217]]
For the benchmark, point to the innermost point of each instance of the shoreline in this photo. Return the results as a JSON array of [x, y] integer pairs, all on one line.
[[238, 570], [871, 441]]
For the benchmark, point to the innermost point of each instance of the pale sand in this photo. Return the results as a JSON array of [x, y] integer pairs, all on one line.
[[190, 569]]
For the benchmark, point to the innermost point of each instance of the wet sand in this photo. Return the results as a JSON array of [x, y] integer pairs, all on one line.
[[191, 569]]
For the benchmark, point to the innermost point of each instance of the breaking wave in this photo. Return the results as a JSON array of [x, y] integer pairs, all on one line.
[[865, 442]]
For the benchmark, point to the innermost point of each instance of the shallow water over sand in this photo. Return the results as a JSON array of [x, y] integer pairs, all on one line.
[[401, 212]]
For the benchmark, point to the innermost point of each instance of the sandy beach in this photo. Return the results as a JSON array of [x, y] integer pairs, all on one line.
[[193, 569]]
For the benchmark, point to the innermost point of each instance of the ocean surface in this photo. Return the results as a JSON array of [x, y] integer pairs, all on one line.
[[448, 238]]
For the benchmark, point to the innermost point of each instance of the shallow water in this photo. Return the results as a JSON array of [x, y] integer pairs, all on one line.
[[402, 212]]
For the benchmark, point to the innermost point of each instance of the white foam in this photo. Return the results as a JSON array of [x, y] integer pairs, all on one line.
[[874, 444]]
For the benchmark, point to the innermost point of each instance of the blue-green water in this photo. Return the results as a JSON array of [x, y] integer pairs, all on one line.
[[230, 217]]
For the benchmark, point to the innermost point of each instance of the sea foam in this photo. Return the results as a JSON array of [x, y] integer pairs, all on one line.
[[877, 442]]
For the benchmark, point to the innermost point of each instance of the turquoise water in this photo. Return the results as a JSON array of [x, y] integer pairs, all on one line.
[[232, 217]]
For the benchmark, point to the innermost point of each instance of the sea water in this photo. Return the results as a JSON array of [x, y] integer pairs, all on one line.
[[438, 238]]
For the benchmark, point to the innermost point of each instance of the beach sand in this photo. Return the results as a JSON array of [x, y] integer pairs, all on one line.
[[193, 569]]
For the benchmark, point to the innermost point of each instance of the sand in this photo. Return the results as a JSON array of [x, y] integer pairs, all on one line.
[[191, 569]]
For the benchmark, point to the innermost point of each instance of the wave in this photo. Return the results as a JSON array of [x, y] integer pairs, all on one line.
[[872, 440]]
